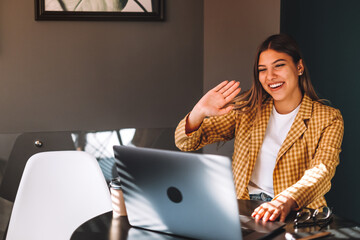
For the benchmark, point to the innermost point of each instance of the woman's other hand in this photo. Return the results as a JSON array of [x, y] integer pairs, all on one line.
[[279, 207], [213, 104]]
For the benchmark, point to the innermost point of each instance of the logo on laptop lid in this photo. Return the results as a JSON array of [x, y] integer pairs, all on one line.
[[174, 194]]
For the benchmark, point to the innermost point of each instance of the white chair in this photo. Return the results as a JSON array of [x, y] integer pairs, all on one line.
[[58, 192], [26, 145]]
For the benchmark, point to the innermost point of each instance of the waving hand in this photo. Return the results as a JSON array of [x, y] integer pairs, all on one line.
[[213, 103]]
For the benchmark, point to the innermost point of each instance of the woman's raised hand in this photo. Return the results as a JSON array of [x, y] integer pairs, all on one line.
[[213, 103]]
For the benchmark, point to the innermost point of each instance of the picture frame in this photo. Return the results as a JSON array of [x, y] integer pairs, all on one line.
[[99, 10]]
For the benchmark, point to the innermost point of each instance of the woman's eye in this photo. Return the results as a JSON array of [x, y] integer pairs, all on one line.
[[279, 65], [261, 70]]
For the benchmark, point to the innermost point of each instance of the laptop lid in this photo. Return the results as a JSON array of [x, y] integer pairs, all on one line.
[[185, 194]]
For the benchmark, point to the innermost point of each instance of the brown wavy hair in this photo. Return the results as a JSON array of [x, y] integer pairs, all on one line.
[[256, 95]]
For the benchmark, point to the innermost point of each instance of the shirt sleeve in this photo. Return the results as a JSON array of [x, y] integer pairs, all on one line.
[[316, 181], [213, 129]]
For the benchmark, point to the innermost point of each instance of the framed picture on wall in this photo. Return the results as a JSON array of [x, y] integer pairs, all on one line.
[[98, 10]]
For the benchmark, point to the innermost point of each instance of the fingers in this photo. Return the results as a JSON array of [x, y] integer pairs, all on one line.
[[269, 212], [267, 215], [226, 87], [283, 217], [233, 95], [220, 86], [230, 88], [214, 102], [255, 211], [259, 212], [262, 213], [275, 215]]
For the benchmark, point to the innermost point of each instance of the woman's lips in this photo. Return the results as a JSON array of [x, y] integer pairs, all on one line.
[[276, 86]]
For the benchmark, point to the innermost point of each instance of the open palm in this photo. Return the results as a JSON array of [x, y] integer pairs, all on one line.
[[214, 101]]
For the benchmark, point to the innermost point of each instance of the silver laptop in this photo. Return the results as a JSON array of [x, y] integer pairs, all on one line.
[[184, 194]]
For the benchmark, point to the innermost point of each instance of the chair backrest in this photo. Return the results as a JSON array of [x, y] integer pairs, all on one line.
[[58, 192], [24, 147]]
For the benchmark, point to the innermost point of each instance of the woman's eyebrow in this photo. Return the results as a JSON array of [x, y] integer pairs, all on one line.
[[279, 60], [276, 61]]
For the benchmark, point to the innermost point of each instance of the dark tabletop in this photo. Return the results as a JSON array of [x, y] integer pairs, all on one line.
[[106, 227]]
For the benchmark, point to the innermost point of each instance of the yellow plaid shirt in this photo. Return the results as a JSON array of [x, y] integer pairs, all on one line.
[[305, 163]]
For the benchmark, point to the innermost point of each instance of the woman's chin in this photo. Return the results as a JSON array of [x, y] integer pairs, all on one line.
[[276, 96]]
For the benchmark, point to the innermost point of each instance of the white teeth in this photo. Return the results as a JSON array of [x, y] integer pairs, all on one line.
[[276, 85]]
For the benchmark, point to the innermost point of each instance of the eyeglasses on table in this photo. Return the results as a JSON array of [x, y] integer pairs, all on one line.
[[307, 217]]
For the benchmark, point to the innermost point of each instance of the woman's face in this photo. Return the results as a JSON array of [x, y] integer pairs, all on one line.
[[279, 76]]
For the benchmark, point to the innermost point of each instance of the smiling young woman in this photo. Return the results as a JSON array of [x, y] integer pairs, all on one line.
[[279, 44], [287, 141], [278, 75]]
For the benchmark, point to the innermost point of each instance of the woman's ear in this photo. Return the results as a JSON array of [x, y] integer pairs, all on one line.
[[300, 67]]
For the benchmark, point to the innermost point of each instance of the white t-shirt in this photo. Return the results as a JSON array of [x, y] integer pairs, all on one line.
[[278, 127]]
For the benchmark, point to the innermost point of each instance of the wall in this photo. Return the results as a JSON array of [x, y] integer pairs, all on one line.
[[232, 32], [328, 34], [68, 75]]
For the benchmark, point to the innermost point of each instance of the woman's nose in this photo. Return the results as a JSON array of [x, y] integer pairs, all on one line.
[[270, 74]]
